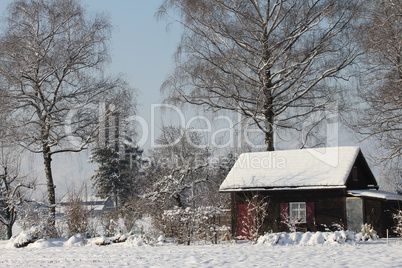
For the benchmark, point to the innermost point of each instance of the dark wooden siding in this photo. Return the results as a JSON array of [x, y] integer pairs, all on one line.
[[360, 176], [329, 208], [379, 213], [372, 213]]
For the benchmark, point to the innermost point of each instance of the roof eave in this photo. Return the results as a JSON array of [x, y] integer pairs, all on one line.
[[287, 188]]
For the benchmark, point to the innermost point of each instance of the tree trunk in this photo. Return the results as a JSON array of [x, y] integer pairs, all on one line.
[[269, 121], [47, 160], [116, 201], [10, 221], [9, 231], [268, 112], [266, 79], [178, 200]]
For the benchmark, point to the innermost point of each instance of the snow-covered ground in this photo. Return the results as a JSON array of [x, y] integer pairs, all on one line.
[[71, 253]]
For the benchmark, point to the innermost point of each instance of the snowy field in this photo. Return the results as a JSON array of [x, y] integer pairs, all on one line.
[[61, 253]]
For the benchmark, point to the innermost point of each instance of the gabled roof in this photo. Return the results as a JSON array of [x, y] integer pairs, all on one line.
[[304, 168]]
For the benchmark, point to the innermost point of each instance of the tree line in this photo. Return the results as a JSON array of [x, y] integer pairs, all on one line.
[[274, 62]]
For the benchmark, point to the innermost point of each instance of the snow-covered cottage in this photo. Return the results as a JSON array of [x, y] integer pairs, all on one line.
[[94, 205], [310, 190]]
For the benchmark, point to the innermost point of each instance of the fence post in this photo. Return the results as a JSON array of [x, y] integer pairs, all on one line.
[[387, 237]]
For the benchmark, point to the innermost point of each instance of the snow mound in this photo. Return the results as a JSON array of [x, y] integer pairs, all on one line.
[[161, 239], [340, 237], [308, 238], [75, 241], [42, 243], [100, 241], [123, 238], [139, 240], [119, 238], [22, 239]]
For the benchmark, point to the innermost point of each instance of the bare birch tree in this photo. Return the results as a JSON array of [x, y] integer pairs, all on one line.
[[52, 57], [381, 76], [13, 186], [272, 61]]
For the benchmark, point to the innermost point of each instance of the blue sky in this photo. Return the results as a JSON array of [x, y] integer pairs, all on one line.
[[142, 48]]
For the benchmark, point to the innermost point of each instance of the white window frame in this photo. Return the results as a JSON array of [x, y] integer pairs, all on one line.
[[298, 212]]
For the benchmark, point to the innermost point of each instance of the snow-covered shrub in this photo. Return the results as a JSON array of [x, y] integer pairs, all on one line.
[[23, 239], [76, 240], [336, 226], [146, 225], [131, 212], [271, 239], [101, 241], [35, 219], [140, 240], [161, 239], [340, 237], [119, 238], [135, 240], [188, 224], [77, 216], [308, 238], [398, 226], [110, 223], [367, 233]]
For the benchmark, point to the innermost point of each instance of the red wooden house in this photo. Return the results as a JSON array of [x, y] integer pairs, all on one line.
[[311, 190]]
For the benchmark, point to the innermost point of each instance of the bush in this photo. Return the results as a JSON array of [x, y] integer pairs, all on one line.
[[367, 233], [35, 219], [188, 224], [308, 238], [23, 239], [77, 217], [398, 222], [257, 212]]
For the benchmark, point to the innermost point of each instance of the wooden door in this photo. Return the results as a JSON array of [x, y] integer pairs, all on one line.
[[244, 221]]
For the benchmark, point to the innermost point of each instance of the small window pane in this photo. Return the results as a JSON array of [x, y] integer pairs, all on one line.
[[297, 212]]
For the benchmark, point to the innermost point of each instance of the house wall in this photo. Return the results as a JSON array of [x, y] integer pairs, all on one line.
[[379, 213], [388, 209], [329, 209], [372, 213]]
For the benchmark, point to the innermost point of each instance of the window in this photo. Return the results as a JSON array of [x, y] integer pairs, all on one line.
[[354, 174], [297, 212]]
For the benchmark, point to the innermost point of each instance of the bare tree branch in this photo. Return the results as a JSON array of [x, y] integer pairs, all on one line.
[[52, 58], [273, 61]]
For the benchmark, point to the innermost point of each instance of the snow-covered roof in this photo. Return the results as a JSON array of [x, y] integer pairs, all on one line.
[[91, 198], [305, 168], [375, 194], [92, 203]]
